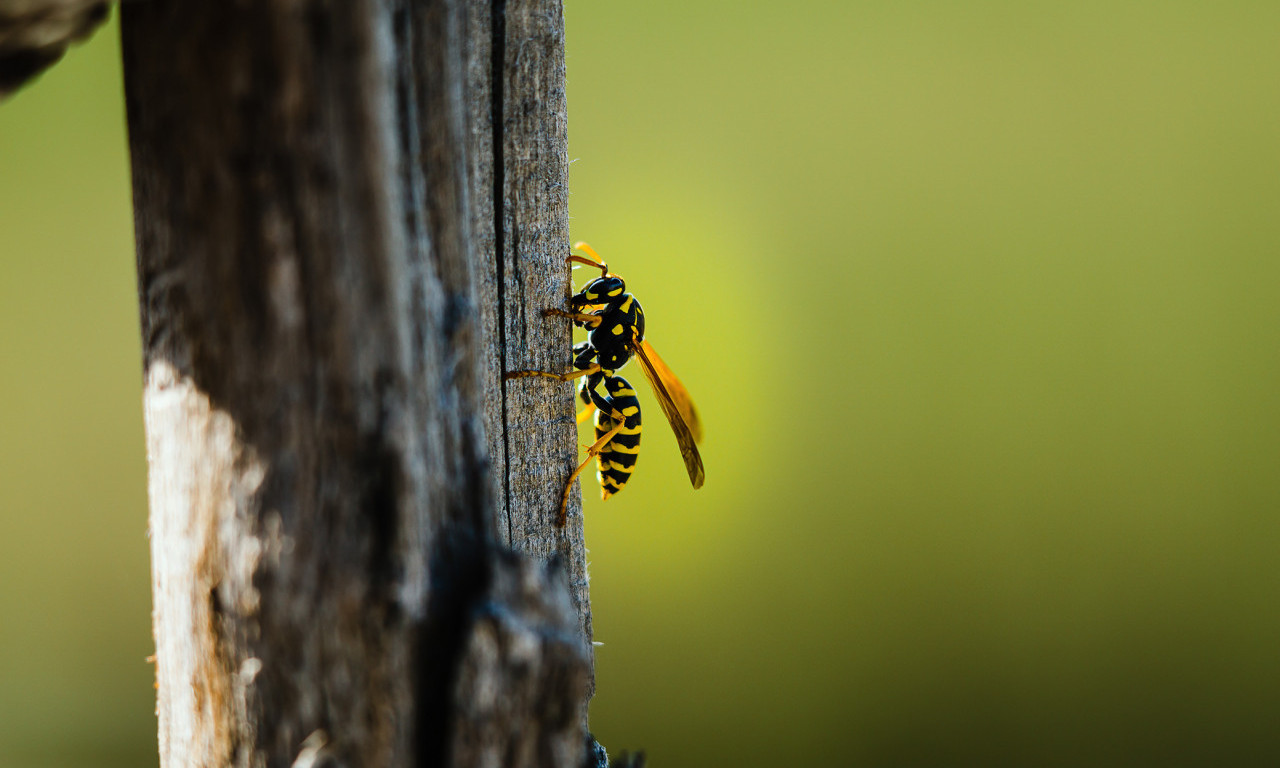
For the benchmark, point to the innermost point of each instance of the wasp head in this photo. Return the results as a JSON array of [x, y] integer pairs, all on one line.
[[602, 290]]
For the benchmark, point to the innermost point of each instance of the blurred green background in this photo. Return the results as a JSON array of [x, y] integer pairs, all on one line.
[[979, 302]]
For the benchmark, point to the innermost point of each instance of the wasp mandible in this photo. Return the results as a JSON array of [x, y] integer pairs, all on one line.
[[615, 323]]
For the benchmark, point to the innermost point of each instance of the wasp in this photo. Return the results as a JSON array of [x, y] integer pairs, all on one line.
[[615, 325]]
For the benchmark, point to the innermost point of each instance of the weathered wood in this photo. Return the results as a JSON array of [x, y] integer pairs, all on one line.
[[506, 674], [519, 159], [321, 374]]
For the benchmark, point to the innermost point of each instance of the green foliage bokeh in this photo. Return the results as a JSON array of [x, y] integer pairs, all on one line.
[[979, 305]]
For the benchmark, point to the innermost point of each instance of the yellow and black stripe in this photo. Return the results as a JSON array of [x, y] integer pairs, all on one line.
[[614, 322], [617, 459]]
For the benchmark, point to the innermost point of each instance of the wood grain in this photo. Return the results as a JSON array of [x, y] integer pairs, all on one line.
[[519, 157], [330, 285]]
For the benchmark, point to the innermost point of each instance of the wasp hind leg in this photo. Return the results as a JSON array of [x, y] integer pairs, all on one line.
[[617, 437], [593, 451], [621, 420], [584, 394]]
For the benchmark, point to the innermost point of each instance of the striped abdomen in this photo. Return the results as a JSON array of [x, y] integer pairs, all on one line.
[[617, 458]]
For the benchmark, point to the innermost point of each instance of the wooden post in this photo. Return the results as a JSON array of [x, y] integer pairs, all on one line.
[[349, 216], [520, 168]]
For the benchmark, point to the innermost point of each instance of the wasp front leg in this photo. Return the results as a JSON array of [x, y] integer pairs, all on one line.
[[582, 319]]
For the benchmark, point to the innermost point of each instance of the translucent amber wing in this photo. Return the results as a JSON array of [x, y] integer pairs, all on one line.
[[679, 395], [670, 408]]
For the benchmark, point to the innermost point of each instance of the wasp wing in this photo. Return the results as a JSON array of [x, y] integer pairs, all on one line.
[[661, 379], [679, 395]]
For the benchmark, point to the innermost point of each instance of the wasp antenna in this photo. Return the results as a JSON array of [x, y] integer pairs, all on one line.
[[581, 245], [595, 257], [574, 260]]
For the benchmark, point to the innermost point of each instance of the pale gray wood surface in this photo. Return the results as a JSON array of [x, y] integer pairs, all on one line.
[[520, 208], [331, 284]]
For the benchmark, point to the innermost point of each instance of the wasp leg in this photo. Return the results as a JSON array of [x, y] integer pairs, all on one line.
[[577, 317], [585, 390], [593, 368], [593, 451]]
